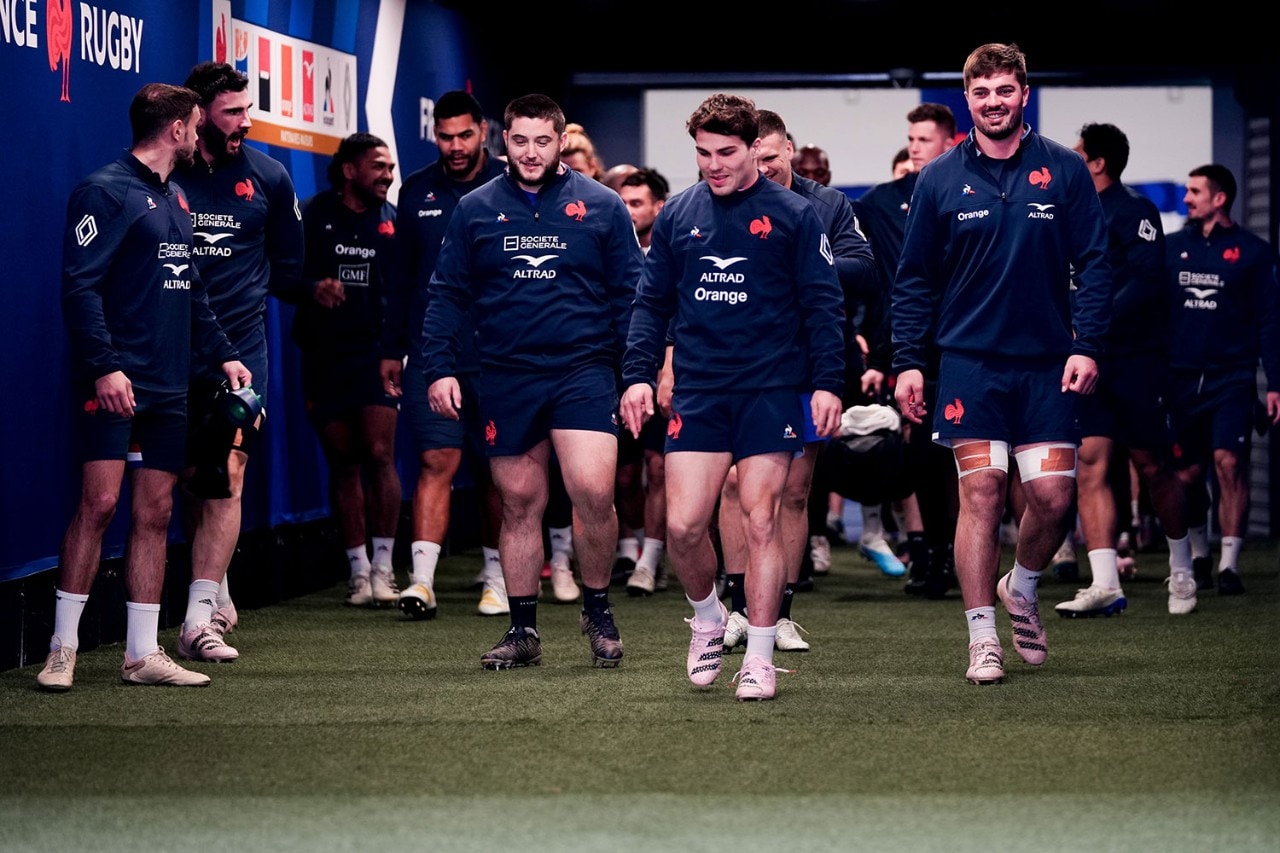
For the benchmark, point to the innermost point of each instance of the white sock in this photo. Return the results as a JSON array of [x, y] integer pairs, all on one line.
[[382, 549], [707, 611], [1179, 554], [651, 556], [492, 564], [1199, 537], [982, 624], [1026, 582], [425, 557], [1230, 558], [224, 593], [561, 540], [760, 642], [358, 558], [67, 608], [872, 523], [202, 596], [1102, 563], [629, 547], [143, 629]]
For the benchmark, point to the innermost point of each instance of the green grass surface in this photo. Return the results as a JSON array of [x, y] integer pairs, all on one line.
[[346, 729]]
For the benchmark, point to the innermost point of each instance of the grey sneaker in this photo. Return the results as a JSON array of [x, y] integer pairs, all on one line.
[[59, 668], [158, 668], [359, 591], [641, 582], [606, 645], [735, 630], [382, 582], [1182, 593], [518, 647], [788, 638]]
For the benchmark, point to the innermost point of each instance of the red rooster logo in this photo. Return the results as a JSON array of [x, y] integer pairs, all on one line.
[[387, 228], [1040, 177], [490, 433], [244, 189], [1232, 255], [58, 24], [673, 426], [762, 227], [954, 411], [91, 406], [576, 209]]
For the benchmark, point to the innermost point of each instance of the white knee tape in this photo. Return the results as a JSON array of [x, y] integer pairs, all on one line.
[[1047, 460], [981, 456]]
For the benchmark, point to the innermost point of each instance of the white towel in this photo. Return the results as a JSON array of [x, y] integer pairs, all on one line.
[[864, 420]]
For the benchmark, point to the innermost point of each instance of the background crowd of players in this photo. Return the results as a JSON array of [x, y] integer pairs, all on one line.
[[523, 371]]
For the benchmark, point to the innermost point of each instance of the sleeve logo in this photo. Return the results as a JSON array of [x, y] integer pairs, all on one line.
[[86, 230]]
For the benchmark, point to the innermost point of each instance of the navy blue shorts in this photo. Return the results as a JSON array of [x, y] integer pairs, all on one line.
[[1019, 402], [155, 437], [1211, 411], [431, 431], [743, 424], [1127, 405], [338, 388], [519, 410], [653, 437]]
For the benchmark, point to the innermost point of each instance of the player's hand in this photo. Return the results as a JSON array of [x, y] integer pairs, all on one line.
[[237, 374], [908, 392], [1080, 375], [445, 396], [872, 382], [115, 393], [392, 370], [826, 410], [329, 293], [636, 407]]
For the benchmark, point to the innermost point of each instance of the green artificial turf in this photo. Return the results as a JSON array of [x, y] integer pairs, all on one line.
[[355, 729]]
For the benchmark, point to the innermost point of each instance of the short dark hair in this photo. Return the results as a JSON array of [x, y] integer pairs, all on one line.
[[769, 123], [1108, 142], [534, 106], [1220, 180], [902, 156], [458, 103], [939, 114], [650, 178], [211, 79], [158, 105], [995, 58], [349, 150], [727, 115]]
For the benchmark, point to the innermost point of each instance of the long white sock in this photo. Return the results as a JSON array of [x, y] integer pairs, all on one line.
[[1199, 537], [1102, 563], [651, 555], [67, 609], [707, 611], [425, 557], [358, 558], [202, 598], [383, 547], [561, 540], [1230, 558], [1179, 554], [224, 593], [143, 629], [629, 547], [1027, 583], [760, 641], [982, 623], [492, 564]]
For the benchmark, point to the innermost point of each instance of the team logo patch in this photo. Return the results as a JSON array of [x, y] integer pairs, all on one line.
[[244, 189], [762, 227], [1040, 178], [674, 425], [576, 209], [954, 411], [1232, 255], [491, 433]]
